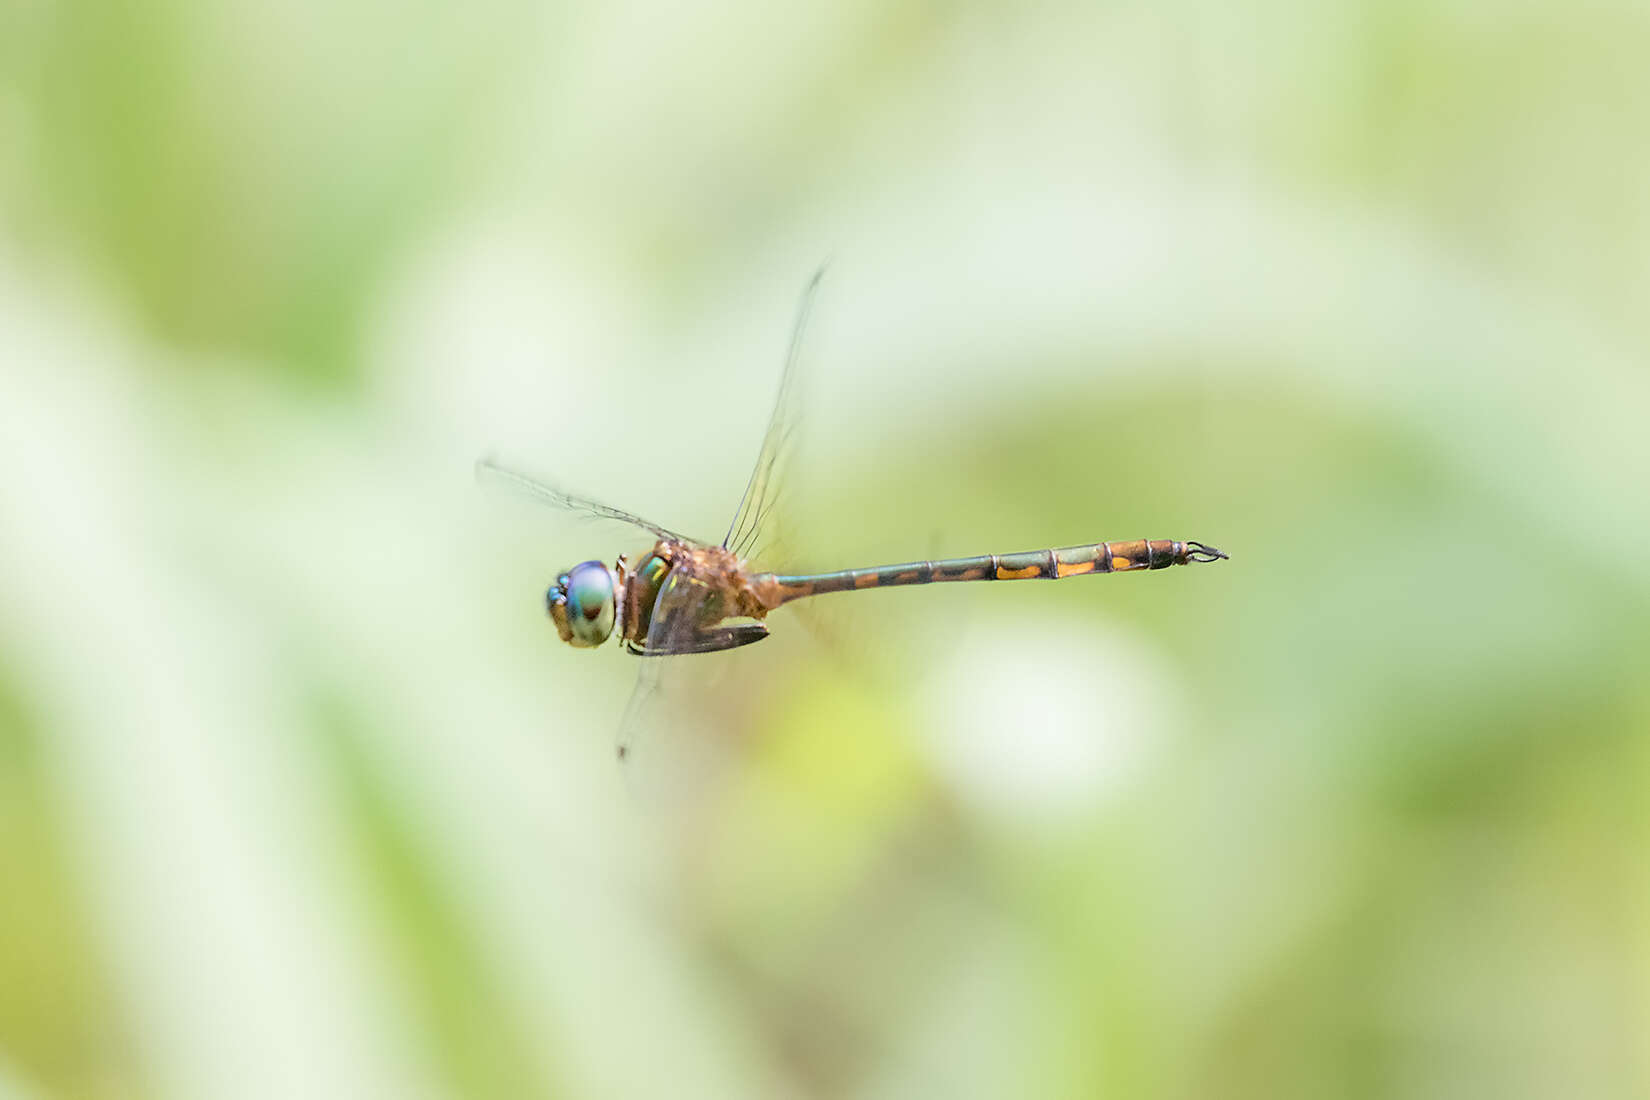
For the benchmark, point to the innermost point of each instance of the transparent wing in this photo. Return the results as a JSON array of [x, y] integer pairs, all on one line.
[[640, 713], [666, 743], [764, 490], [667, 738], [487, 470], [661, 702]]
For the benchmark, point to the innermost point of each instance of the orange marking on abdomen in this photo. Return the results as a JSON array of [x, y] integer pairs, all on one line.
[[1004, 574]]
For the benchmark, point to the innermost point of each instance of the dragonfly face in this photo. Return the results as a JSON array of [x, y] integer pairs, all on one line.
[[581, 604]]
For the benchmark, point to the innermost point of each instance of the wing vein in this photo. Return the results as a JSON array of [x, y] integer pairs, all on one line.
[[545, 493], [753, 506]]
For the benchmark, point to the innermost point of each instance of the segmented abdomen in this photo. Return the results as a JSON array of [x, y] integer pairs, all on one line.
[[1069, 561]]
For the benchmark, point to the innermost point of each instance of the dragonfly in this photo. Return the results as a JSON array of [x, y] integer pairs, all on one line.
[[686, 596]]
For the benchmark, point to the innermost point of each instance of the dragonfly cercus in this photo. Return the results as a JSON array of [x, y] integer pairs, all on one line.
[[686, 596]]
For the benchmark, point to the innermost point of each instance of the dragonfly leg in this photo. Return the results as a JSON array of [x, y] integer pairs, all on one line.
[[708, 640]]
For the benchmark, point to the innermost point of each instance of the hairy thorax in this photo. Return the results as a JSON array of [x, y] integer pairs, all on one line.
[[714, 581]]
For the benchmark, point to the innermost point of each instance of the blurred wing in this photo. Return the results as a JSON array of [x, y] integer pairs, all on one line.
[[669, 629], [763, 492], [664, 701], [489, 471], [640, 715]]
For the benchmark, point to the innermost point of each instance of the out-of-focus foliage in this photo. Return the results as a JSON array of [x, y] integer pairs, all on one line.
[[300, 796]]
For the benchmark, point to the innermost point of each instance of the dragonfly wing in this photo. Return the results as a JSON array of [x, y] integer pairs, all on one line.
[[639, 713], [488, 470], [764, 489], [661, 729], [664, 685], [668, 745]]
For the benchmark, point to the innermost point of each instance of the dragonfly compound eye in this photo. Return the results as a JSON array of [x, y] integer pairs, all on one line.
[[581, 604]]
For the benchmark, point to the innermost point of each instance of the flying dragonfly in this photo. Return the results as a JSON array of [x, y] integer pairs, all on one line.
[[686, 596]]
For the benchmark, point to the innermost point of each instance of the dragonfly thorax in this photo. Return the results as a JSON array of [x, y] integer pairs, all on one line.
[[582, 602]]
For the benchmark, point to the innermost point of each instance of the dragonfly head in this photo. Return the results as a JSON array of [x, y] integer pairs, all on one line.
[[581, 604]]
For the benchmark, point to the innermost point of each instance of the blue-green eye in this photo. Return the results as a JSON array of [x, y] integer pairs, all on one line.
[[581, 604]]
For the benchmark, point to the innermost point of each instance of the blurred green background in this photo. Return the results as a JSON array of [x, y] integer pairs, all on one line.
[[301, 796]]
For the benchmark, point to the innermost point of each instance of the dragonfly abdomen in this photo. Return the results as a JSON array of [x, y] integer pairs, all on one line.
[[1052, 564]]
